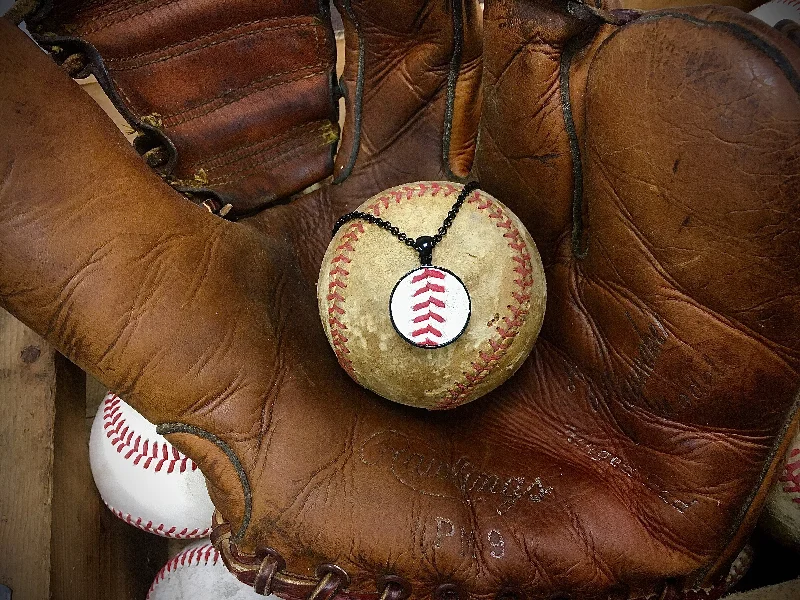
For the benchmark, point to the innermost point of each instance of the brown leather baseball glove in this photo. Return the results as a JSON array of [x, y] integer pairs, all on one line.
[[654, 158]]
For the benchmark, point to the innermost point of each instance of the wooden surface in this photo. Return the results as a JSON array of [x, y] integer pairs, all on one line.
[[27, 403], [57, 539], [94, 555], [75, 503]]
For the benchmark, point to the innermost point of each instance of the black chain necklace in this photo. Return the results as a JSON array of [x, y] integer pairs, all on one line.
[[429, 306], [424, 244]]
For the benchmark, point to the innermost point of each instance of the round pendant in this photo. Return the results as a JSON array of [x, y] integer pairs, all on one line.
[[429, 307]]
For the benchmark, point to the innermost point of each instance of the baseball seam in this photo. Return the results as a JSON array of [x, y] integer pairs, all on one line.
[[160, 528], [510, 324], [791, 476], [336, 308], [427, 320], [508, 327], [339, 273], [140, 450], [200, 556]]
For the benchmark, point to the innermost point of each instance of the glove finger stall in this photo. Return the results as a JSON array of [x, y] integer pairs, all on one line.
[[231, 101]]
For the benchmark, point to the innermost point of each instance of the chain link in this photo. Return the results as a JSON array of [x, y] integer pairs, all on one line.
[[424, 244]]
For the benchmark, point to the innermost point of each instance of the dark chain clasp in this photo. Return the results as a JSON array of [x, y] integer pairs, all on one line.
[[424, 245]]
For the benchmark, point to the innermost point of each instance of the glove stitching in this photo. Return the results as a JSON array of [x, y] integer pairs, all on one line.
[[100, 26], [281, 157], [308, 21], [211, 44], [177, 427], [316, 127], [242, 92], [120, 100], [130, 109], [246, 567]]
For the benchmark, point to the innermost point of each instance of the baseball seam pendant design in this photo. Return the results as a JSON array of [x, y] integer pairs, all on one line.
[[430, 307]]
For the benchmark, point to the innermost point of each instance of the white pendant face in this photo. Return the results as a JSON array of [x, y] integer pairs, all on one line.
[[429, 307]]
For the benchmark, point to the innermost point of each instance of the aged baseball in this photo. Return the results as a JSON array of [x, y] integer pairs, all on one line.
[[197, 573], [142, 478], [434, 336], [781, 516]]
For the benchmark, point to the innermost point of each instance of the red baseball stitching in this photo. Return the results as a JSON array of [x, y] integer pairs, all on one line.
[[508, 327], [338, 282], [791, 476], [339, 273], [432, 289], [140, 450], [160, 528], [194, 557]]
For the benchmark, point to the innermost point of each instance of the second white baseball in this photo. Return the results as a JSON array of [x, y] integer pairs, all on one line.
[[778, 10], [142, 478], [198, 573], [781, 516]]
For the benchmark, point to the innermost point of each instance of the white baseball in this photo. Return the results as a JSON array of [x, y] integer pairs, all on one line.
[[142, 478], [198, 573], [778, 10], [781, 516]]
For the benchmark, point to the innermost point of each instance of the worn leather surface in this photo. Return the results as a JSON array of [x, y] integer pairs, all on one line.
[[408, 54], [234, 100], [630, 454]]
